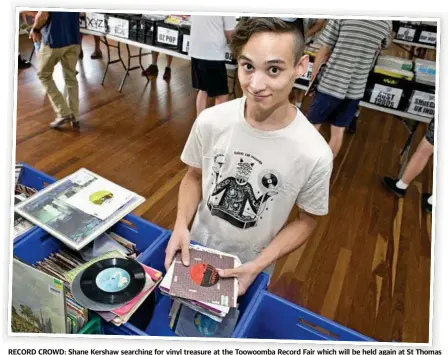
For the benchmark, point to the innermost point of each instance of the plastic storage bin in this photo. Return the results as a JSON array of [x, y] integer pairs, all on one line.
[[159, 324], [37, 246], [37, 180], [93, 326], [275, 318]]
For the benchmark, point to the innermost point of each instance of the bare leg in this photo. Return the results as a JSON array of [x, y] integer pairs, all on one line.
[[418, 161], [220, 99], [169, 60], [337, 136], [97, 52], [201, 101], [155, 57]]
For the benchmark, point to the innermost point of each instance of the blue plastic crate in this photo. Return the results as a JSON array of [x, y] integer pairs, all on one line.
[[159, 324], [275, 318], [144, 234], [37, 180]]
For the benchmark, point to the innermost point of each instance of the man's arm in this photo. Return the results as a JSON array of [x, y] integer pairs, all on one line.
[[315, 28], [188, 201], [39, 21], [321, 57], [289, 239]]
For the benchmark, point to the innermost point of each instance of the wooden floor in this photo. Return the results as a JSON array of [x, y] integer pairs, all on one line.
[[367, 266]]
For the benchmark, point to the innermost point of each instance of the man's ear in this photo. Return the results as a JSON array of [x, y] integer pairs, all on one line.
[[301, 66]]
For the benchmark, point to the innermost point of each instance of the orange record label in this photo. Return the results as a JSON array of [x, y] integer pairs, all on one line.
[[204, 275]]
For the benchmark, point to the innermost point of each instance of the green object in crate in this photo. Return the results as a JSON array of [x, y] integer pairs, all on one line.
[[93, 326]]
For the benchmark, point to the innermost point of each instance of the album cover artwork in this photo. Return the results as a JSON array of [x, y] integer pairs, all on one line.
[[49, 210], [21, 225], [38, 301], [191, 323], [18, 173], [200, 280]]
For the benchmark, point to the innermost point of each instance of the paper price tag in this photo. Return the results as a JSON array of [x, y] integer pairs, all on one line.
[[167, 36], [309, 71], [386, 96], [96, 22], [406, 34], [186, 44], [422, 104], [428, 37], [118, 27]]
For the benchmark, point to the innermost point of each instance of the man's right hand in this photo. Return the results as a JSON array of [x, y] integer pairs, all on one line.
[[180, 240]]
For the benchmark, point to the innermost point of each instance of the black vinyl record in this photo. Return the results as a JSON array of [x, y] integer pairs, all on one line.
[[113, 281]]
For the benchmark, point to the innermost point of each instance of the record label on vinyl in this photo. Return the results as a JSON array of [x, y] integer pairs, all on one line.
[[113, 279], [204, 275], [205, 325]]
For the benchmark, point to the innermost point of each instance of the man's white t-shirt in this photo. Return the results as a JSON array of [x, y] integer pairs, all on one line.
[[251, 179], [207, 38]]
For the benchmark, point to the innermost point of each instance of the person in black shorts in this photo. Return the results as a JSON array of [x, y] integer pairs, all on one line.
[[415, 166], [209, 38], [210, 77]]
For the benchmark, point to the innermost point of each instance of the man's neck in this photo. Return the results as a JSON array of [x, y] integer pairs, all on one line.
[[277, 118]]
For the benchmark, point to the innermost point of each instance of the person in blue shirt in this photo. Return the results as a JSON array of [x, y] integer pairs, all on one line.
[[59, 37]]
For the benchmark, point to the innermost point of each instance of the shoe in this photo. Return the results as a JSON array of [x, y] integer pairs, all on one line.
[[152, 70], [59, 121], [425, 204], [391, 184], [167, 74], [96, 55], [23, 63], [81, 54]]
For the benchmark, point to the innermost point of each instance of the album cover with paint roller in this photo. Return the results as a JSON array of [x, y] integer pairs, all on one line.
[[200, 280]]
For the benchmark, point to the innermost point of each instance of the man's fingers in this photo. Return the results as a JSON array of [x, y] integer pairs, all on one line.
[[170, 252], [186, 254], [224, 273]]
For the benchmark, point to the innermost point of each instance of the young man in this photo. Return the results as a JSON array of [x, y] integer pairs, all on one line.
[[208, 45], [252, 159], [60, 40], [414, 168], [351, 46]]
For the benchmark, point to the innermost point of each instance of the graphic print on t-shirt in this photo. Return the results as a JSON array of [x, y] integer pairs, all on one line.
[[241, 199]]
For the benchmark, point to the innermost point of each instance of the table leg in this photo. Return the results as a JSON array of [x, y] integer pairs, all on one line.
[[106, 43]]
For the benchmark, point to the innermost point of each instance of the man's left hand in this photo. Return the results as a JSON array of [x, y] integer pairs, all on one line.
[[245, 274], [36, 37]]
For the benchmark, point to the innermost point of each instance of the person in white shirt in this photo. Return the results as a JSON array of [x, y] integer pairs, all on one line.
[[250, 160], [208, 45]]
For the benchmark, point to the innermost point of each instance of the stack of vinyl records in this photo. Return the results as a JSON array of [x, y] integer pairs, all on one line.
[[112, 285], [393, 62], [21, 193], [204, 304], [425, 72]]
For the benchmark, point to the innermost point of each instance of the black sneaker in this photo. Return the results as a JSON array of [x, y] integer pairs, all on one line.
[[351, 129], [391, 184], [425, 204], [167, 74], [23, 63], [152, 71]]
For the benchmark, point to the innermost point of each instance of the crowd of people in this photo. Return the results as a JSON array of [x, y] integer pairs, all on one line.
[[251, 159]]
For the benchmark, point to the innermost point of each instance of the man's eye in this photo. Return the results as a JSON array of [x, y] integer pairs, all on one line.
[[248, 66], [274, 70]]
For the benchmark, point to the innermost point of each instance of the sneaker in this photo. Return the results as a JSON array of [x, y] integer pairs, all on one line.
[[152, 70], [351, 129], [23, 63], [59, 121], [425, 204], [96, 55], [391, 184], [167, 74]]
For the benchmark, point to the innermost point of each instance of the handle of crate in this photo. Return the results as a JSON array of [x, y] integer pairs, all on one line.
[[131, 221], [316, 327]]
